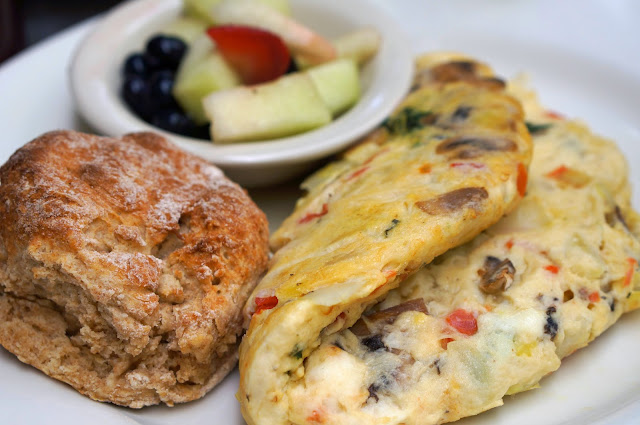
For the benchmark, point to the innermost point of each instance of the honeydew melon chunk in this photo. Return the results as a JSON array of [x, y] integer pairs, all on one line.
[[200, 78], [283, 107], [338, 83], [360, 45], [197, 51], [201, 9], [186, 28]]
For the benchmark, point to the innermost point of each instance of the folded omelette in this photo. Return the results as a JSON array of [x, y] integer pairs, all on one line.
[[450, 162], [486, 319]]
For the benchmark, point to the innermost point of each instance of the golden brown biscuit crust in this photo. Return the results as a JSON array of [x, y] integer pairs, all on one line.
[[140, 257]]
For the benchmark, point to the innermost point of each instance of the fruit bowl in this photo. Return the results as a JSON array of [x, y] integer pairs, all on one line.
[[96, 79]]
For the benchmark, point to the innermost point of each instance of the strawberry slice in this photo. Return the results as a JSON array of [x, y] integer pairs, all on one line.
[[257, 55]]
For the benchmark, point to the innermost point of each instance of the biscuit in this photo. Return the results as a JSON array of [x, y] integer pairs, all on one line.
[[124, 265]]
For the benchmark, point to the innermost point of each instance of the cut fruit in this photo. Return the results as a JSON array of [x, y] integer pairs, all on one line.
[[188, 29], [338, 84], [281, 6], [257, 55], [303, 42], [197, 51], [280, 108], [360, 45], [201, 9], [202, 71], [197, 80]]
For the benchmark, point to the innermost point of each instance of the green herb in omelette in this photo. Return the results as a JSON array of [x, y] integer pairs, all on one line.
[[536, 128], [394, 223], [408, 120], [296, 352]]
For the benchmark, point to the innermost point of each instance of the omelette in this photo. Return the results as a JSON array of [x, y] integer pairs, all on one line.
[[450, 161], [493, 316]]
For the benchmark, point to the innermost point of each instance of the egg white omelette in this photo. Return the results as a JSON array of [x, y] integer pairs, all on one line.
[[450, 161], [494, 316]]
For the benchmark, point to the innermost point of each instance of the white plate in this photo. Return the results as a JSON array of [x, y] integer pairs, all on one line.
[[583, 64], [96, 79]]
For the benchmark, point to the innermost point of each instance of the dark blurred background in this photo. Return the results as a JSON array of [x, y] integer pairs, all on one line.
[[25, 22]]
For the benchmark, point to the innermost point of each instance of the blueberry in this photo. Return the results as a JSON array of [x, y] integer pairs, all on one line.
[[153, 63], [201, 132], [173, 120], [135, 92], [168, 50], [135, 64], [160, 87]]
